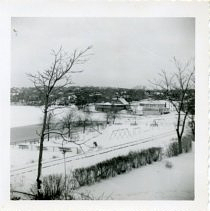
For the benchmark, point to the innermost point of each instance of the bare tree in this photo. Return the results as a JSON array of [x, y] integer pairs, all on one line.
[[84, 118], [114, 114], [191, 107], [68, 121], [111, 115], [49, 123], [177, 88], [134, 112], [49, 82], [108, 117]]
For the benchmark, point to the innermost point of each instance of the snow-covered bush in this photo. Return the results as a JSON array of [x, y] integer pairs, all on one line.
[[168, 164], [116, 166], [81, 176], [155, 153], [52, 188], [173, 148], [187, 143], [54, 157], [15, 198]]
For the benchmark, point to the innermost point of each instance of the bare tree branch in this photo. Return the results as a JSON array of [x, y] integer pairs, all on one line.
[[176, 89], [50, 81]]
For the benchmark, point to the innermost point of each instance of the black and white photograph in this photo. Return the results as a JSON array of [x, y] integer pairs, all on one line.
[[102, 108], [104, 105]]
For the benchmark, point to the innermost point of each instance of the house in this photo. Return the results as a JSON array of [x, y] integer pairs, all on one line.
[[153, 107], [116, 104]]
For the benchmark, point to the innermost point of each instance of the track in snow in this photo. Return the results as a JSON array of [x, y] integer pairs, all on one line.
[[59, 161]]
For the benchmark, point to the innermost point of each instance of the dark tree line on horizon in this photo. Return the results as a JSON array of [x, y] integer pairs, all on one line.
[[84, 95], [78, 95]]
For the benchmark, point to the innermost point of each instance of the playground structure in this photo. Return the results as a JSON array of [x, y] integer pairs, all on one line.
[[100, 135], [125, 133], [154, 123]]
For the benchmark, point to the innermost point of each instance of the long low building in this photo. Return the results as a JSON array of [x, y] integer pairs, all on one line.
[[116, 104], [150, 106], [143, 107]]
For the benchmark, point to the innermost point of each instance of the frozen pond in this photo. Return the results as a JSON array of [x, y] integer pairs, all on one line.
[[32, 115], [25, 115]]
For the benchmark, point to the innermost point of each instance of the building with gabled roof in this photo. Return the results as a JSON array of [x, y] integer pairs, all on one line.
[[116, 104]]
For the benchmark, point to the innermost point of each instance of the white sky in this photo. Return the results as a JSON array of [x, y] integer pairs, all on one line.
[[126, 51]]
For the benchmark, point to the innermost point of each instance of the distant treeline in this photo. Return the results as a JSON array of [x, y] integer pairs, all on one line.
[[85, 95], [77, 95]]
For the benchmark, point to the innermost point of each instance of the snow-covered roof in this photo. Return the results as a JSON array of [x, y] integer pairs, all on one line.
[[134, 103], [107, 103], [149, 101], [123, 101], [119, 102]]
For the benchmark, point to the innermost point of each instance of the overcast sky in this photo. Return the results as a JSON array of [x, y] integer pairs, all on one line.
[[127, 52]]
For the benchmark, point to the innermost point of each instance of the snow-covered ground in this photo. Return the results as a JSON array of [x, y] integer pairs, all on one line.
[[119, 135], [116, 139], [112, 135], [151, 182]]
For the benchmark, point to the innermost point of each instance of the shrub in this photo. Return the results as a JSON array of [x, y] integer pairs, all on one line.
[[80, 176], [52, 188], [155, 154], [173, 149], [168, 164], [57, 190], [187, 143], [15, 198], [116, 166]]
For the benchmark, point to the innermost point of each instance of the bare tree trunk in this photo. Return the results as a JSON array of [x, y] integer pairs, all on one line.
[[179, 142], [48, 128], [41, 150], [84, 125], [65, 190], [114, 117], [69, 132], [193, 126], [178, 133], [107, 119], [180, 145], [135, 118]]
